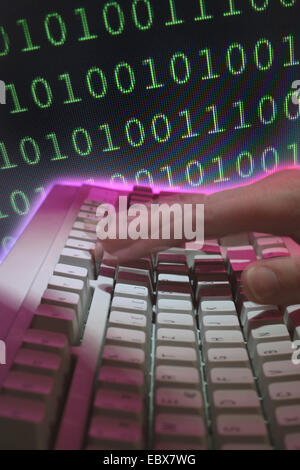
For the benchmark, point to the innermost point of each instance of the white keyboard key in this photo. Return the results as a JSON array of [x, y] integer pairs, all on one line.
[[129, 304], [278, 371], [123, 356], [224, 322], [88, 218], [126, 337], [87, 227], [67, 284], [187, 427], [91, 208], [81, 258], [267, 333], [229, 377], [252, 306], [227, 357], [48, 341], [285, 421], [119, 402], [129, 290], [222, 339], [174, 306], [174, 296], [231, 401], [83, 235], [63, 299], [282, 393], [183, 320], [177, 376], [180, 399], [217, 307], [173, 278], [121, 432], [176, 355], [58, 319], [124, 378], [130, 320], [80, 244], [248, 428], [177, 337], [271, 351], [73, 272]]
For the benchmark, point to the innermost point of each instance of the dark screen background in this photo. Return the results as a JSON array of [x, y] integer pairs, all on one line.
[[192, 162]]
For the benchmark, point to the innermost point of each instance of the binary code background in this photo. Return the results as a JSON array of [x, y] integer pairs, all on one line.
[[189, 93]]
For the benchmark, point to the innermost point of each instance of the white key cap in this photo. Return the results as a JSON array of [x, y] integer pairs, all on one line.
[[180, 399], [63, 299], [250, 307], [86, 217], [212, 284], [175, 306], [283, 393], [121, 432], [184, 320], [81, 258], [247, 428], [123, 356], [231, 401], [177, 337], [271, 351], [174, 296], [119, 402], [267, 333], [80, 244], [278, 371], [215, 322], [73, 272], [177, 376], [227, 357], [129, 290], [174, 278], [217, 307], [176, 355], [122, 377], [58, 319], [83, 235], [67, 284], [130, 320], [285, 421], [222, 339], [229, 377], [87, 227], [48, 341], [129, 304], [126, 337], [292, 441], [92, 209], [187, 427]]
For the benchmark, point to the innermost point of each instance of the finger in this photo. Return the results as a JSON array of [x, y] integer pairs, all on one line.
[[275, 281], [270, 205]]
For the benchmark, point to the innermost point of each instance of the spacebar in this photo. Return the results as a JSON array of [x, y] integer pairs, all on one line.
[[74, 419]]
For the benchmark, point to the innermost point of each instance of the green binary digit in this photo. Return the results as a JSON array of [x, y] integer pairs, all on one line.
[[272, 153], [245, 160], [118, 176], [291, 116], [41, 83], [87, 142], [174, 19], [240, 50], [186, 113], [186, 65], [58, 154], [168, 170], [125, 67], [210, 75], [35, 150], [214, 111], [137, 22], [165, 120], [102, 78], [144, 172], [62, 26], [291, 42], [5, 38], [155, 84], [87, 36], [107, 7], [269, 102], [29, 45], [288, 3], [18, 199], [221, 178], [196, 166], [17, 106], [263, 5], [110, 146], [140, 131], [71, 97], [203, 15], [232, 9], [270, 55], [294, 148], [7, 164], [242, 124]]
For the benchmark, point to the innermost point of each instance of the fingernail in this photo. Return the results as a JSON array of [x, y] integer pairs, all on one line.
[[262, 282]]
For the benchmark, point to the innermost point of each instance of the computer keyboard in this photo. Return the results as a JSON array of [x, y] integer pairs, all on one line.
[[163, 352]]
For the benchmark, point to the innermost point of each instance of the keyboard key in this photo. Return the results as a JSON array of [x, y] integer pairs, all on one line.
[[176, 337], [57, 319], [130, 320], [130, 304], [174, 306], [217, 307], [186, 427], [126, 337], [123, 356], [177, 376], [176, 356], [183, 320], [126, 378], [215, 322], [118, 402], [227, 357], [168, 399], [230, 377], [61, 298], [129, 290], [80, 258], [83, 235], [235, 401], [122, 433], [271, 351], [245, 428], [268, 333], [221, 339]]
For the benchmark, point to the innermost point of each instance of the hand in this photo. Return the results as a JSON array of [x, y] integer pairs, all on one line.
[[270, 205]]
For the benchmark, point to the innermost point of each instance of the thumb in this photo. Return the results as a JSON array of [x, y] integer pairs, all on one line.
[[275, 281]]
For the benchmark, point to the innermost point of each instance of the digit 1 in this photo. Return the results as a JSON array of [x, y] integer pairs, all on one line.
[[30, 47], [232, 10], [203, 15], [216, 129], [174, 20], [242, 124], [290, 40], [294, 148], [210, 75], [110, 147], [71, 99], [86, 30], [168, 170], [11, 87], [190, 133], [222, 178], [7, 164], [58, 155], [154, 83]]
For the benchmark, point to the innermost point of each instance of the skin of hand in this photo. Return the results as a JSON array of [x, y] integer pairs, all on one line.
[[270, 205]]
